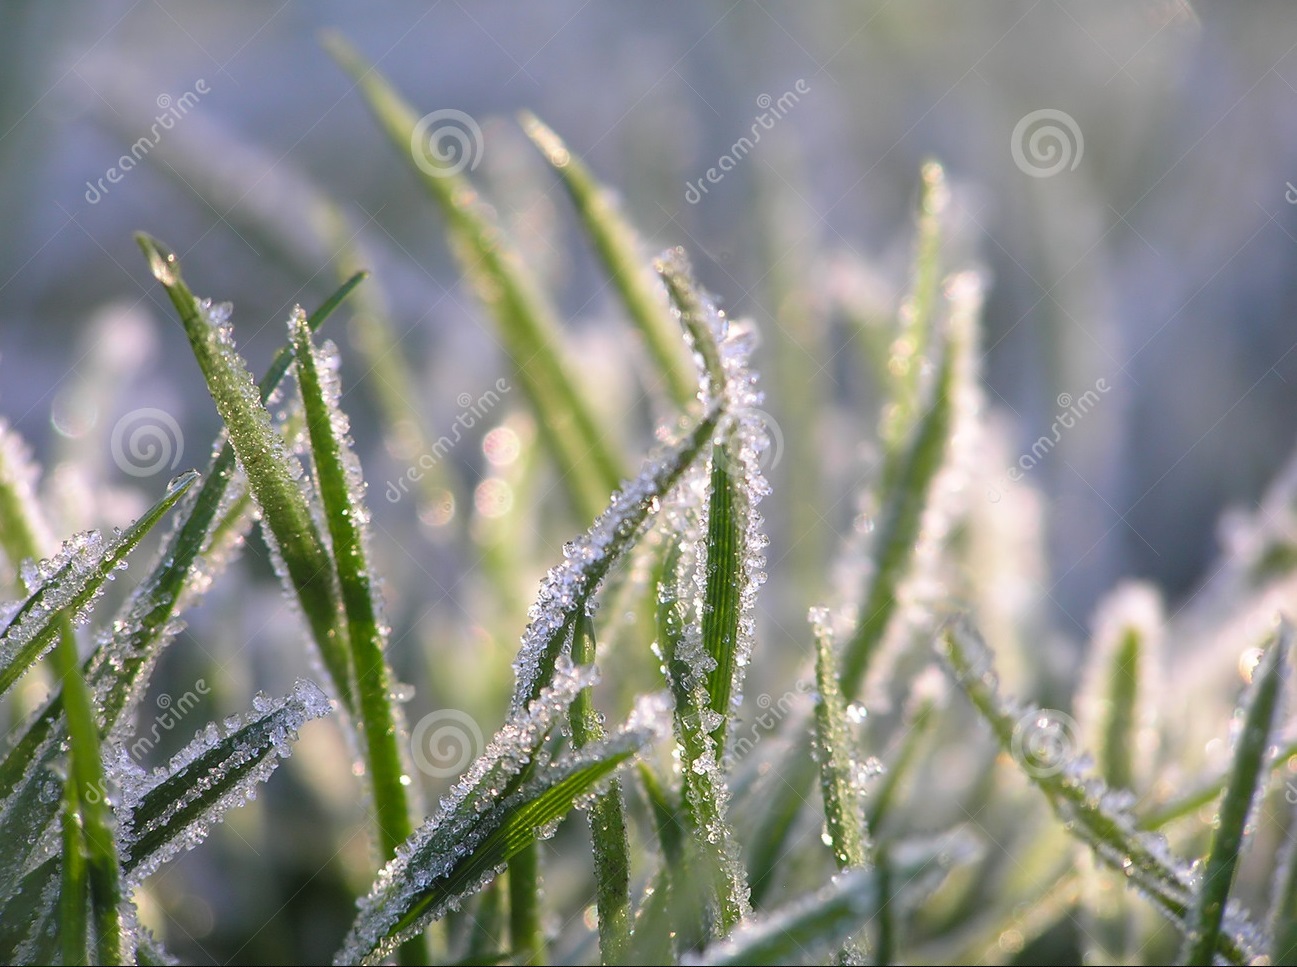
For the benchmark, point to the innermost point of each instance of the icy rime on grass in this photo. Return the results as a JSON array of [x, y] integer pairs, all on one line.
[[513, 794], [66, 586], [568, 588], [1097, 816], [174, 808], [273, 473]]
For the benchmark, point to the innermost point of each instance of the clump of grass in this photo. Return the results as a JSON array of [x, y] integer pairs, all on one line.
[[687, 838]]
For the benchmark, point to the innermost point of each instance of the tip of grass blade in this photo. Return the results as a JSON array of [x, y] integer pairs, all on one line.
[[543, 136], [162, 261]]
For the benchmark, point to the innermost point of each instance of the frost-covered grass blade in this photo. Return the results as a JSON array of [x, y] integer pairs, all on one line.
[[271, 470], [65, 586]]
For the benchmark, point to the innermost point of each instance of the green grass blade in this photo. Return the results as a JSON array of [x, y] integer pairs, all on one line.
[[714, 850], [617, 246], [724, 582], [1083, 803], [86, 799], [582, 449], [697, 318], [172, 808], [269, 468], [493, 813], [826, 919], [1283, 899], [74, 887], [68, 583], [1247, 777], [843, 810], [341, 489], [607, 819]]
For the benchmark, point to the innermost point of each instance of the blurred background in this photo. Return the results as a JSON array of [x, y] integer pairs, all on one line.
[[1122, 172]]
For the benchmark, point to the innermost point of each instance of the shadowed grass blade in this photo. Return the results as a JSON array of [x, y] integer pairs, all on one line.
[[583, 450], [1247, 776], [272, 472]]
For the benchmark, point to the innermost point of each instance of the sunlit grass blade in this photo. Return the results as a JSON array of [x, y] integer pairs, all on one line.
[[1247, 776], [698, 319], [724, 582], [844, 815], [617, 245], [607, 819], [270, 469], [341, 489], [173, 808], [1090, 812], [508, 798], [67, 584], [586, 457]]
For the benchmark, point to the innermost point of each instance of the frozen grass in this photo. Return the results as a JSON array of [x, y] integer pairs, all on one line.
[[936, 841]]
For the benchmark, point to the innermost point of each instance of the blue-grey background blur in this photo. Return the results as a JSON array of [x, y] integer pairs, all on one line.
[[1162, 261]]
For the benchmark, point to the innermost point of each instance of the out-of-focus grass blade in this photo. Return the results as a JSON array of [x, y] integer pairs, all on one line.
[[843, 812], [1089, 812], [826, 919], [617, 245], [582, 449], [1283, 899], [73, 585], [607, 819], [341, 489], [673, 267], [268, 466], [172, 809], [1246, 775]]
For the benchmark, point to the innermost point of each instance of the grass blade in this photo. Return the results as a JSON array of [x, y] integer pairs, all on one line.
[[1089, 811], [724, 581], [826, 919], [508, 797], [607, 820], [65, 586], [268, 465], [173, 808], [582, 449], [1247, 776], [341, 488], [843, 810], [617, 246]]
